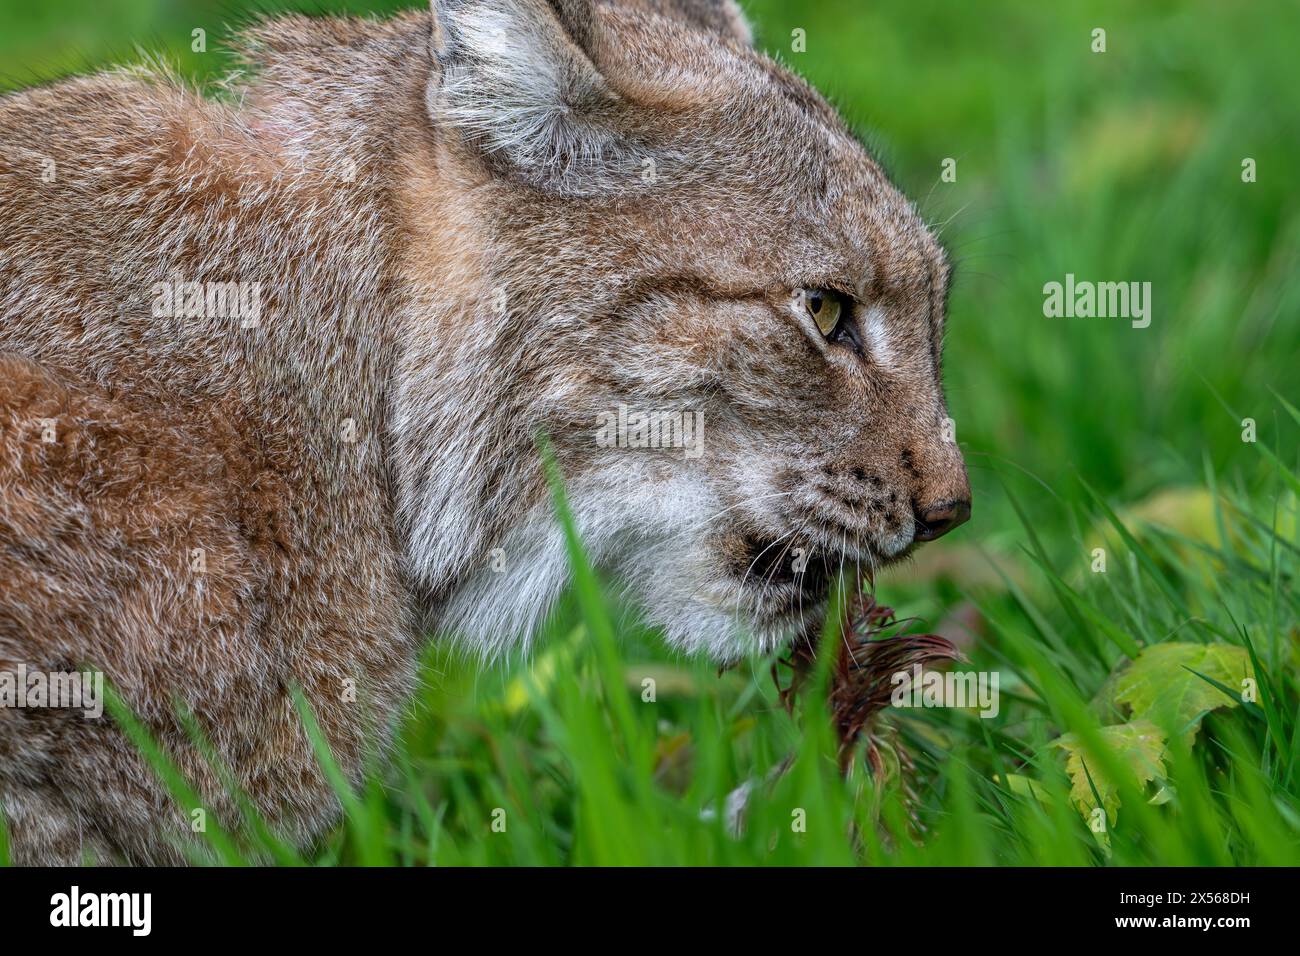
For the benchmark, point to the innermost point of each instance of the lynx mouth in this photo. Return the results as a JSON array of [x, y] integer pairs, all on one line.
[[802, 569]]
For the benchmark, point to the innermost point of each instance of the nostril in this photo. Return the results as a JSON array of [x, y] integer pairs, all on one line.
[[937, 520]]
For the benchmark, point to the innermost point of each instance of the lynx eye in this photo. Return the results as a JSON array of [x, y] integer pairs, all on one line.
[[824, 307]]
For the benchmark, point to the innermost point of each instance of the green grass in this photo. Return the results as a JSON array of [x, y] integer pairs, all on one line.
[[563, 760], [1080, 433]]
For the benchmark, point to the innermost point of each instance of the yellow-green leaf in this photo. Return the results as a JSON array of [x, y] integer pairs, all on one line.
[[1139, 745], [1160, 685]]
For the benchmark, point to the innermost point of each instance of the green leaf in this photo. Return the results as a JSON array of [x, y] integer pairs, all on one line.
[[1138, 745], [1023, 786], [1173, 683]]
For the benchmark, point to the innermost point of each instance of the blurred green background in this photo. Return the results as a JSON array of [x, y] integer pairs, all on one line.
[[1117, 166]]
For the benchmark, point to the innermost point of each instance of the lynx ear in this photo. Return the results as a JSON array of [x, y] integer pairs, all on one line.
[[723, 17], [516, 78]]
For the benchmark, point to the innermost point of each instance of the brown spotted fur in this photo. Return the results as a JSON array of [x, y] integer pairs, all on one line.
[[382, 211]]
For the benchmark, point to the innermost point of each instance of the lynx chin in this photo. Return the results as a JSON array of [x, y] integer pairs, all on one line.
[[426, 240]]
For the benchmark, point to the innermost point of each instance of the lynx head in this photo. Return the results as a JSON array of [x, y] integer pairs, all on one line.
[[670, 255]]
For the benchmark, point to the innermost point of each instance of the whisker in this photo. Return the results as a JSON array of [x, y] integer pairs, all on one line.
[[740, 587], [705, 521]]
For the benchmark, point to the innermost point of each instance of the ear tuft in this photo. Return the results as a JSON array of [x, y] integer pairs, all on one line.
[[514, 78]]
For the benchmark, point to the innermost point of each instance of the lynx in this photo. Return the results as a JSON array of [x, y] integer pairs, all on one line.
[[466, 230]]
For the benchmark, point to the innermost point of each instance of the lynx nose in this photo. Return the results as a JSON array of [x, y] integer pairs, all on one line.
[[937, 520]]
